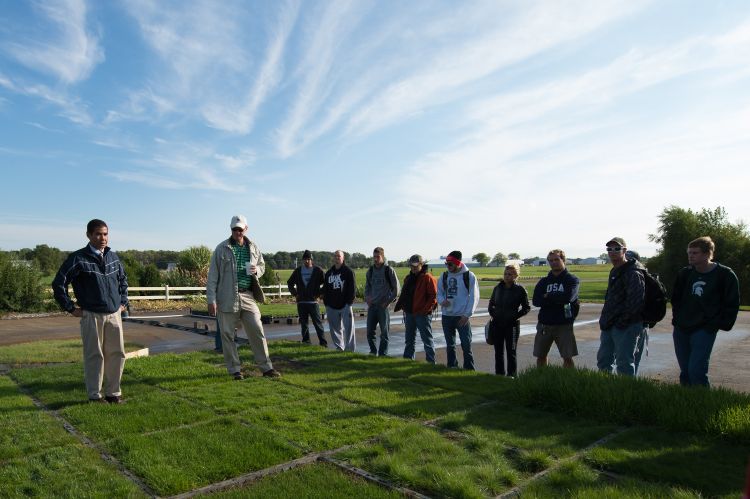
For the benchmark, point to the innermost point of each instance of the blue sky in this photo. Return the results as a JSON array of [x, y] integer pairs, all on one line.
[[419, 126]]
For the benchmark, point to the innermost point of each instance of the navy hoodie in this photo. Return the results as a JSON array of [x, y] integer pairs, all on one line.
[[560, 290]]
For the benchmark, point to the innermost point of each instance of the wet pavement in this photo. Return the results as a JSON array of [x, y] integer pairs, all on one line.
[[730, 367]]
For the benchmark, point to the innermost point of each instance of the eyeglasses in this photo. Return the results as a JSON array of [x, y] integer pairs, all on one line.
[[614, 249], [450, 264], [237, 229]]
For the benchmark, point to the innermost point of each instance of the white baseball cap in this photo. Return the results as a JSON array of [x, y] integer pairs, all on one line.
[[238, 221]]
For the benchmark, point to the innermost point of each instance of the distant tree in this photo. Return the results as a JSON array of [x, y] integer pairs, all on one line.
[[499, 258], [21, 289], [133, 269], [677, 227], [195, 259], [530, 261], [482, 258], [47, 259], [151, 276], [514, 256], [604, 257]]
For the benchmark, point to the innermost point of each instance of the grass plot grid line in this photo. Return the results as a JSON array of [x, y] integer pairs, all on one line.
[[89, 443], [254, 476], [373, 478], [516, 491]]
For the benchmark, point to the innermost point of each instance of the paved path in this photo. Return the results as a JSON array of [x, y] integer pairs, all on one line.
[[729, 367]]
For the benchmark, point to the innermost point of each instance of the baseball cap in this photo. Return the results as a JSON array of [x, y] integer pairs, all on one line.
[[415, 260], [618, 240], [238, 221]]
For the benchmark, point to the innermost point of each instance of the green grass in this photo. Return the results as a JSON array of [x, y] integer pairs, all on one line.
[[710, 465], [307, 482], [187, 424], [41, 352], [576, 480], [625, 400]]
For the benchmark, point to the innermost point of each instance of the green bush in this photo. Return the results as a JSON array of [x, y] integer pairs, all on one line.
[[21, 289]]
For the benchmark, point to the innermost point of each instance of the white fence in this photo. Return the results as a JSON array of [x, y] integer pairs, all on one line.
[[173, 292]]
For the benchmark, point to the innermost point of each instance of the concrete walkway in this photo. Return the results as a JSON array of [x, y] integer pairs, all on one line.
[[729, 365]]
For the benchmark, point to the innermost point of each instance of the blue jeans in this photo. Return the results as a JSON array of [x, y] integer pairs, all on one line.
[[693, 352], [450, 326], [378, 315], [618, 346], [412, 322], [640, 348]]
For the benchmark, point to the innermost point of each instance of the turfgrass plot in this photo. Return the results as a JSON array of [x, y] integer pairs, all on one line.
[[441, 432]]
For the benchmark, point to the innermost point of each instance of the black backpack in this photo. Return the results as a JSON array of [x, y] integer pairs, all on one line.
[[655, 302]]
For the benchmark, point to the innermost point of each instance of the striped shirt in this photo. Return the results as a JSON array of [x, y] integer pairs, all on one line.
[[242, 258]]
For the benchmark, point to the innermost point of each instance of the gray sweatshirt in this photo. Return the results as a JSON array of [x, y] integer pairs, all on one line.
[[381, 285]]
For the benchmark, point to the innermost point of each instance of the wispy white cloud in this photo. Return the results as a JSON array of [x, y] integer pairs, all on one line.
[[336, 21], [70, 107], [42, 127], [60, 44], [214, 64]]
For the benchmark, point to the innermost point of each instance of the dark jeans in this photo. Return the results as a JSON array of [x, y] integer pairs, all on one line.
[[412, 323], [311, 311], [378, 315], [506, 338], [693, 352], [450, 326]]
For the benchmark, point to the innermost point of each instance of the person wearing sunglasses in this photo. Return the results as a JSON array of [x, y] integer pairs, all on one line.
[[233, 293], [621, 320], [458, 295]]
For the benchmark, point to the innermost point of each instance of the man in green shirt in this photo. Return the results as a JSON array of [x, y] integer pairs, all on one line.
[[235, 264], [705, 299]]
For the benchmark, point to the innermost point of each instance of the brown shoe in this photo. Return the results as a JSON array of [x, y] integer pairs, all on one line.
[[272, 373], [114, 399]]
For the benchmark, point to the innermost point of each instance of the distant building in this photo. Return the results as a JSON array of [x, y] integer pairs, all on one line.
[[591, 261], [171, 266]]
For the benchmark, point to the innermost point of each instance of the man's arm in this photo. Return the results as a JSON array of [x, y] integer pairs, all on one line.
[[351, 287], [730, 304], [212, 282], [441, 298], [260, 267], [64, 276], [538, 298], [635, 297], [393, 293], [368, 285], [123, 284], [292, 281]]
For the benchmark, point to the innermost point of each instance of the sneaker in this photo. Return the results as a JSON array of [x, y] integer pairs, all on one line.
[[114, 399], [272, 373], [238, 376]]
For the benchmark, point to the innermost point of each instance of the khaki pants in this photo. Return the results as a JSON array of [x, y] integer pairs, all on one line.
[[103, 353], [249, 316]]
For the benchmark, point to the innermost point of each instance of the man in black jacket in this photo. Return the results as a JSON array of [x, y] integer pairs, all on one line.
[[706, 299], [101, 291], [306, 285]]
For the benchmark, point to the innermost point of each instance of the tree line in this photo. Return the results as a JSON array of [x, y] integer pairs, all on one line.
[[22, 271]]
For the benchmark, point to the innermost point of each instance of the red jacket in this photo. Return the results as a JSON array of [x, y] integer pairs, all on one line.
[[425, 293]]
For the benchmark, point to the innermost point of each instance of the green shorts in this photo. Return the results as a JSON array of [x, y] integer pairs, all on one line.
[[561, 334]]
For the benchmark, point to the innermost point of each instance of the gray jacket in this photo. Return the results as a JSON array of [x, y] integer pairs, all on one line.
[[221, 287]]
